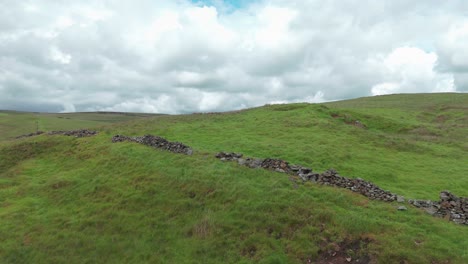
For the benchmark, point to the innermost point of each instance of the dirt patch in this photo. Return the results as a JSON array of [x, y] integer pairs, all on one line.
[[441, 119], [203, 229], [349, 120], [60, 184], [249, 251], [354, 251]]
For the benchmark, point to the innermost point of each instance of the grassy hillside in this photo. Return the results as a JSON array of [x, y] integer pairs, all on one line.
[[14, 123], [86, 200]]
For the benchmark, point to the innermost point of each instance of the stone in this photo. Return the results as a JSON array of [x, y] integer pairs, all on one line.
[[444, 196], [431, 210], [295, 167], [402, 208]]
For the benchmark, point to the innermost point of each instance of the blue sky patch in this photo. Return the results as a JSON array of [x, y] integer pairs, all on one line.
[[236, 4]]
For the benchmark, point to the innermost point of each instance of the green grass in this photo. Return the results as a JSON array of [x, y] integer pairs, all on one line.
[[86, 200], [14, 123]]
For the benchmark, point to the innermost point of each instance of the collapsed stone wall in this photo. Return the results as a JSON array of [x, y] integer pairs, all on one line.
[[329, 177], [156, 142], [450, 206], [30, 134], [76, 133]]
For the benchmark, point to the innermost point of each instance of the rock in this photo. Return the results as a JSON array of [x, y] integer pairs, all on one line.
[[400, 199], [228, 156], [455, 216], [444, 196], [295, 167], [256, 163], [276, 164], [402, 208], [431, 210]]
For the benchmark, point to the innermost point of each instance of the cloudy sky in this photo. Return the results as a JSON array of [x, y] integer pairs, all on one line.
[[186, 56]]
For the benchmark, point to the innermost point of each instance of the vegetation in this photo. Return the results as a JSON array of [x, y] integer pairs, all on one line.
[[13, 123], [86, 200]]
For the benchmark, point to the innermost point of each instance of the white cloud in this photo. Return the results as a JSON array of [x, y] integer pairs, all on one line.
[[59, 56], [177, 56], [410, 69], [453, 52], [64, 22], [274, 30], [68, 108]]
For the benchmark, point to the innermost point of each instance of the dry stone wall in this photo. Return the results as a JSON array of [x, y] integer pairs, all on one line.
[[329, 177], [30, 134], [156, 142], [75, 133], [450, 206]]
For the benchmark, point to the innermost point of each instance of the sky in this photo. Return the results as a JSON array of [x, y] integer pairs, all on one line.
[[186, 56]]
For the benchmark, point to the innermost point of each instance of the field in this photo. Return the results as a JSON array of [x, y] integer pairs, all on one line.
[[13, 123], [87, 200]]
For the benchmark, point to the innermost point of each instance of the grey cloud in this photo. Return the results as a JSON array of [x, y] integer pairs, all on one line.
[[180, 57]]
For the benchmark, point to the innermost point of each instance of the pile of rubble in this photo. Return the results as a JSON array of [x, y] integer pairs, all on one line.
[[30, 134], [329, 177], [451, 206], [75, 133], [156, 142]]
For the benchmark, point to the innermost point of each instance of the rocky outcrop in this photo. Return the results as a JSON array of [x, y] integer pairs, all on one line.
[[75, 133], [329, 177], [156, 142], [449, 206]]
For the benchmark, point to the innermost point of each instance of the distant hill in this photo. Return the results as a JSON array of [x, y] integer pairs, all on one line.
[[15, 123], [88, 200]]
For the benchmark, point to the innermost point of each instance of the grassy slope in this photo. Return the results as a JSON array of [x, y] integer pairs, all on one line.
[[13, 123], [87, 200]]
